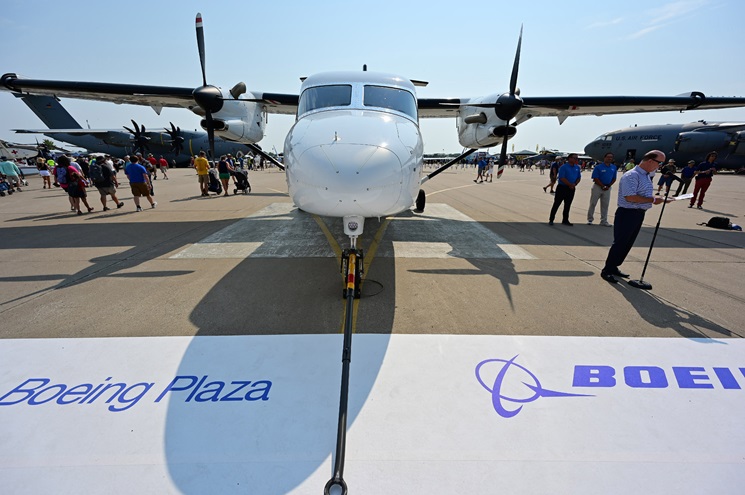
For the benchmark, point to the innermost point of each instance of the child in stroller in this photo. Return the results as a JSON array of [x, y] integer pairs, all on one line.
[[240, 179], [4, 187], [215, 185]]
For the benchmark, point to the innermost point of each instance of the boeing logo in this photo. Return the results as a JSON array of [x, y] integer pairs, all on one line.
[[500, 399]]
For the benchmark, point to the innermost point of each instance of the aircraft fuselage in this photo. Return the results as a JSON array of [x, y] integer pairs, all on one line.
[[681, 142], [355, 149]]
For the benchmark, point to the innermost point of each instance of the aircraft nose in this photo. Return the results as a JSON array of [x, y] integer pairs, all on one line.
[[350, 163], [351, 177]]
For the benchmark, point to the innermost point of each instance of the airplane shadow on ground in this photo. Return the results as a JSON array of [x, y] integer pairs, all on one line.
[[658, 312], [285, 303], [94, 235]]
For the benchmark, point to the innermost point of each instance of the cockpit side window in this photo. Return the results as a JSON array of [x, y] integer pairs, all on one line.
[[324, 97], [392, 98]]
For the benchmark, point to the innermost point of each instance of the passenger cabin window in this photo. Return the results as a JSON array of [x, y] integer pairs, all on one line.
[[395, 99], [324, 97]]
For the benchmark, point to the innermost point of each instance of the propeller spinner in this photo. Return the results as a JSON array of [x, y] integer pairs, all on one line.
[[140, 140]]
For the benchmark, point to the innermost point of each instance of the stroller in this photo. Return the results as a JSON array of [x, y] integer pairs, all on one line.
[[4, 187], [241, 182], [215, 185]]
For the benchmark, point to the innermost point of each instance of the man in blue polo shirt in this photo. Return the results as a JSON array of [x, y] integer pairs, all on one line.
[[569, 176], [603, 177], [635, 197]]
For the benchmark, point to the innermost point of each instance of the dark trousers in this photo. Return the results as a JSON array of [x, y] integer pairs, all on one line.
[[626, 226], [566, 194], [683, 186]]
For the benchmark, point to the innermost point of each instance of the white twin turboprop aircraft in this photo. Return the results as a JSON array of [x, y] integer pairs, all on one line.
[[356, 150]]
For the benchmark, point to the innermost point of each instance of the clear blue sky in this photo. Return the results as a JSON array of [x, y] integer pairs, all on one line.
[[463, 48]]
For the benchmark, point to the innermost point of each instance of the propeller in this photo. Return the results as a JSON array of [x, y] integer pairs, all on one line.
[[507, 106], [177, 140], [140, 140], [208, 97]]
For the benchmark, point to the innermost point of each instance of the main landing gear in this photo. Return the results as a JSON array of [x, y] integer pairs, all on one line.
[[421, 200]]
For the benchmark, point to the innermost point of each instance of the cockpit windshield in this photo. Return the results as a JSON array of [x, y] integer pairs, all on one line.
[[324, 97], [392, 98]]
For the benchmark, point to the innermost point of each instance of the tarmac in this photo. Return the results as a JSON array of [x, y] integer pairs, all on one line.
[[480, 260]]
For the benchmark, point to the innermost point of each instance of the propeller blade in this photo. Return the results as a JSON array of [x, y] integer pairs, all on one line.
[[130, 130], [502, 158], [211, 133], [200, 47], [513, 78]]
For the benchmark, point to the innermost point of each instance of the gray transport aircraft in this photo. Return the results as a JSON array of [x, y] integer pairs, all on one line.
[[174, 144], [681, 142]]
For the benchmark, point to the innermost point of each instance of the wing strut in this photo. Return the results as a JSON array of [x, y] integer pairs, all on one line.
[[447, 166], [259, 151]]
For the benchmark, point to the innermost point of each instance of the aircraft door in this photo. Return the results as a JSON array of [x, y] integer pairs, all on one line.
[[630, 155]]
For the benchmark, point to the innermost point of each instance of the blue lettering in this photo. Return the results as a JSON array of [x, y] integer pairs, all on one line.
[[173, 388], [655, 377], [35, 401], [28, 392], [264, 391], [191, 395], [229, 395], [726, 378], [74, 391], [686, 379], [594, 376], [212, 394], [132, 400]]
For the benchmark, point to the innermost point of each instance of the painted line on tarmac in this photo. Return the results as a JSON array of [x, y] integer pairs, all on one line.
[[282, 231]]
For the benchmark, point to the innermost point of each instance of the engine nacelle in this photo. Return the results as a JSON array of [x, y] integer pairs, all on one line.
[[701, 142], [236, 130], [239, 121], [479, 127]]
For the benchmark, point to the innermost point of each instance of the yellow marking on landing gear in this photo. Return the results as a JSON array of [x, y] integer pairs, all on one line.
[[372, 250]]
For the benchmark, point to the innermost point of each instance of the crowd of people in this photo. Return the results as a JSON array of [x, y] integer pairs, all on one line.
[[78, 175]]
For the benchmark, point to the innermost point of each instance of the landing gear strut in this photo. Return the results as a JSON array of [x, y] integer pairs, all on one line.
[[352, 261], [351, 266]]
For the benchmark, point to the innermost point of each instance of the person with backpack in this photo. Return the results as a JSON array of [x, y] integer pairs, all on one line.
[[103, 177], [76, 189], [60, 176]]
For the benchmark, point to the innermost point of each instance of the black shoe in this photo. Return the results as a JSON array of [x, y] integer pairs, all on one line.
[[619, 273], [568, 223], [550, 222], [609, 278], [105, 208], [121, 203]]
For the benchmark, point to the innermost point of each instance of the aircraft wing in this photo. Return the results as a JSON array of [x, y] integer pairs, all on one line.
[[569, 106], [79, 132], [156, 97]]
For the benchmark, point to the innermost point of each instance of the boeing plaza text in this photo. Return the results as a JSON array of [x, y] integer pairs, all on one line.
[[120, 396]]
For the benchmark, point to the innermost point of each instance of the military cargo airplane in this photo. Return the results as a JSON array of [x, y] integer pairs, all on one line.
[[681, 142], [174, 144], [355, 150]]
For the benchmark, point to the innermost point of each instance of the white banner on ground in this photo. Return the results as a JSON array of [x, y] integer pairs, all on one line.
[[427, 414]]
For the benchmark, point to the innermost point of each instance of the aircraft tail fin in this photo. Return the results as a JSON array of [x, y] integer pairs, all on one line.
[[50, 111]]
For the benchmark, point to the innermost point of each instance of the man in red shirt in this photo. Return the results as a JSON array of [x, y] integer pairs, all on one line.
[[163, 163]]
